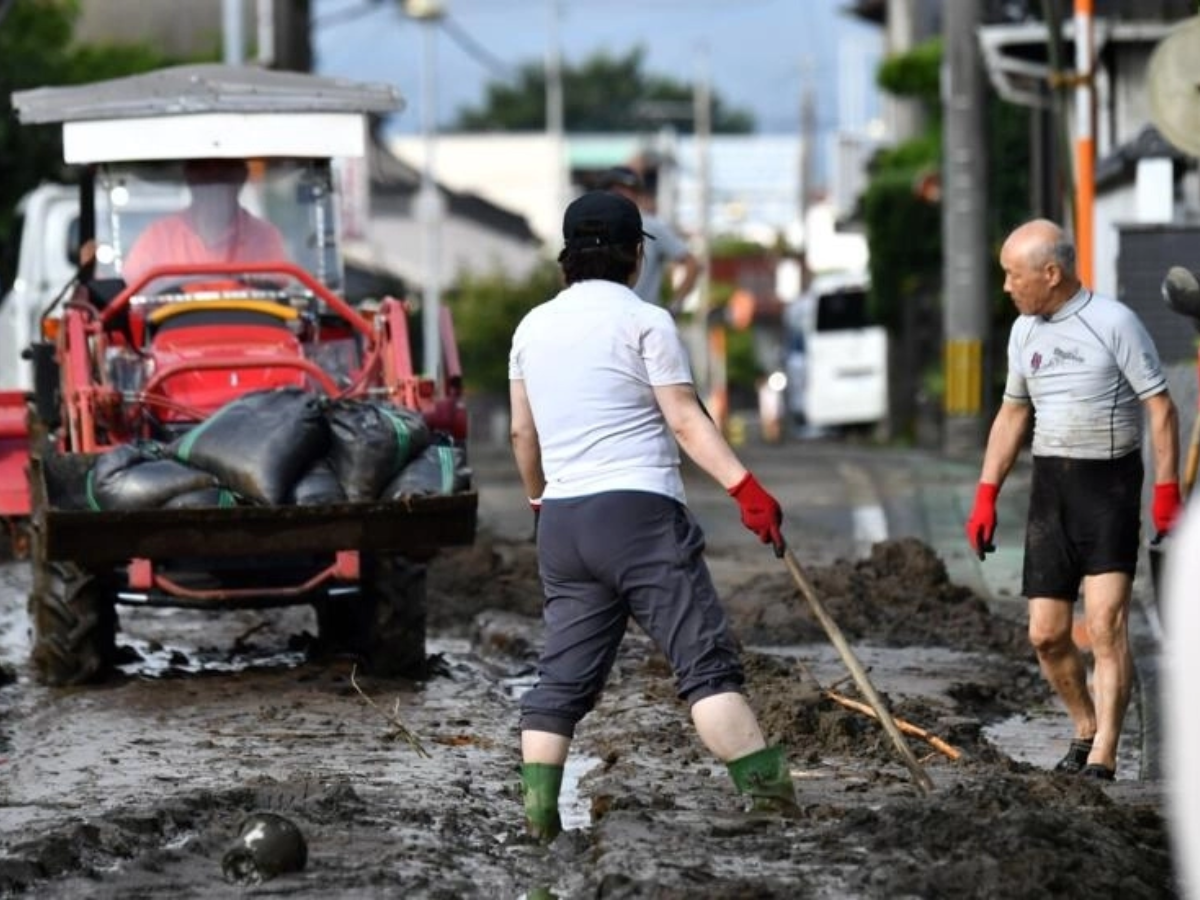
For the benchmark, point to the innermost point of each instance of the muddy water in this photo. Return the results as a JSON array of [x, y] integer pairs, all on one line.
[[136, 788]]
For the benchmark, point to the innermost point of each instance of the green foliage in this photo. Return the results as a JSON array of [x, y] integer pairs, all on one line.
[[486, 311], [916, 74], [727, 247], [604, 94], [905, 237], [35, 51], [742, 368]]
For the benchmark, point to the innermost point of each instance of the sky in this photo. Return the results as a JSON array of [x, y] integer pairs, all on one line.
[[759, 54]]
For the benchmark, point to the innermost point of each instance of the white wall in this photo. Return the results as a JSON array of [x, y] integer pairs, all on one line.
[[514, 171], [1114, 207]]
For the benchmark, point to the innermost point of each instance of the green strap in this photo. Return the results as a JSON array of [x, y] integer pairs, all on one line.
[[446, 462], [92, 502], [185, 446], [403, 437]]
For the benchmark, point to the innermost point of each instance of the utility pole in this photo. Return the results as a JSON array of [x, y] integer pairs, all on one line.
[[429, 200], [233, 39], [965, 299], [710, 362], [290, 34], [1085, 142], [905, 115], [555, 125], [808, 140]]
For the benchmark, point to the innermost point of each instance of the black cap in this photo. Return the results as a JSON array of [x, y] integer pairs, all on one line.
[[600, 219], [621, 176]]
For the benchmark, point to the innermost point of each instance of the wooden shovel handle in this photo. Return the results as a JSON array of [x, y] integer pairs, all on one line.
[[920, 776]]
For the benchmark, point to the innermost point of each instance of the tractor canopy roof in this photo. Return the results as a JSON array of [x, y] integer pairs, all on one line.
[[209, 110]]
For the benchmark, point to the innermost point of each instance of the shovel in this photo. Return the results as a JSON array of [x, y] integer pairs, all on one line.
[[920, 776]]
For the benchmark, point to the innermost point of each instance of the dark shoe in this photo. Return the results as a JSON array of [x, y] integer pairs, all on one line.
[[1075, 760], [1099, 772]]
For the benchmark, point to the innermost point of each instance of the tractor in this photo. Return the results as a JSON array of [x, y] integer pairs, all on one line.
[[148, 346]]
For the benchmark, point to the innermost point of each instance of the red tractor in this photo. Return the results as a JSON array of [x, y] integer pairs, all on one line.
[[157, 338]]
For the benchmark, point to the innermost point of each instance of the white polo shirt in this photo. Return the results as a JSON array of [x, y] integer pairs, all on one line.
[[1086, 370], [590, 359]]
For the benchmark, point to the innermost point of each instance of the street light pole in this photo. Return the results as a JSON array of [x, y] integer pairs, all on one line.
[[429, 199]]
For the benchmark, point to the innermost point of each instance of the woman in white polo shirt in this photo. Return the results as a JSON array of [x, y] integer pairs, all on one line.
[[602, 398]]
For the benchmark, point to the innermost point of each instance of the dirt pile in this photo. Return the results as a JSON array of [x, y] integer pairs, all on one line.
[[898, 596]]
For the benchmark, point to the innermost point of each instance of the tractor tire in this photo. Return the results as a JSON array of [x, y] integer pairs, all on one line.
[[384, 626], [74, 625]]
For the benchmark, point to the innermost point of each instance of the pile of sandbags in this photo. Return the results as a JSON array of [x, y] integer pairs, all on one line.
[[286, 446]]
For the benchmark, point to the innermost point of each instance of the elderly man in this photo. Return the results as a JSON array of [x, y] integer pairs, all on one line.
[[1086, 365]]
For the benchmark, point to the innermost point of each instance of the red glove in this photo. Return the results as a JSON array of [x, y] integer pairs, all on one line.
[[760, 511], [981, 526], [1166, 506]]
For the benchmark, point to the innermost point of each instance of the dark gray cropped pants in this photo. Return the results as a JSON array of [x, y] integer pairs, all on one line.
[[603, 559]]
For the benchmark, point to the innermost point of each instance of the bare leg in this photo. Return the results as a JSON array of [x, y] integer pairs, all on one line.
[[727, 726], [1106, 601], [1061, 662], [544, 747]]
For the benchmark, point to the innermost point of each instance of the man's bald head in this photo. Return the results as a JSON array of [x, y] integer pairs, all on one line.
[[1041, 241], [1038, 259]]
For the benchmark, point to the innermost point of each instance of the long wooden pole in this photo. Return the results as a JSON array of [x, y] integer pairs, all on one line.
[[920, 776]]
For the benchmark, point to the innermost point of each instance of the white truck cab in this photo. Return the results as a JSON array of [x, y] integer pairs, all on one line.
[[41, 257]]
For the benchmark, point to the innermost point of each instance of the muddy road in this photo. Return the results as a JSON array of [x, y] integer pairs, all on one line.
[[137, 788]]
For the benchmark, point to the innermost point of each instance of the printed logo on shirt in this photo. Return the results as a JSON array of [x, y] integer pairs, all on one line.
[[1058, 358], [1064, 356]]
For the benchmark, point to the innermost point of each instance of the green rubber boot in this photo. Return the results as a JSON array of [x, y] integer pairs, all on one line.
[[540, 783], [763, 776]]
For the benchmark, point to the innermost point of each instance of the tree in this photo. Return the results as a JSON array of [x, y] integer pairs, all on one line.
[[486, 310], [36, 50], [904, 222], [605, 94]]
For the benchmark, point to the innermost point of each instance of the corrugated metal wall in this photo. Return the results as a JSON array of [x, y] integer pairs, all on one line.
[[1146, 252]]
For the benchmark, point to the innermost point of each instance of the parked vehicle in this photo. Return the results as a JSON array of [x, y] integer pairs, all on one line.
[[123, 360], [835, 359]]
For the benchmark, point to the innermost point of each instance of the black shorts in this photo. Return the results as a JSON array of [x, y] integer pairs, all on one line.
[[602, 560], [1084, 519]]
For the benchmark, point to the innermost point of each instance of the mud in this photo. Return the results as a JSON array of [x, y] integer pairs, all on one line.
[[137, 788]]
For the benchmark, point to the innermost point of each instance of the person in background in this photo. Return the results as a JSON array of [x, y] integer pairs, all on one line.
[[1083, 370], [214, 228], [601, 400], [668, 257]]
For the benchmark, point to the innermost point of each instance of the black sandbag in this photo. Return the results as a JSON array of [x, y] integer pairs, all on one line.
[[318, 486], [219, 497], [138, 476], [439, 470], [259, 444], [371, 443]]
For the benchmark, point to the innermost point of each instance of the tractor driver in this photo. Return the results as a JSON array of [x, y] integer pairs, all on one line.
[[213, 228]]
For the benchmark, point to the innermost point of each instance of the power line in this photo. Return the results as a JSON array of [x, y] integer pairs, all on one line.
[[476, 50], [349, 14]]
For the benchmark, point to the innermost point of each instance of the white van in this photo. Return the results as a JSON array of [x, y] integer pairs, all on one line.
[[836, 360]]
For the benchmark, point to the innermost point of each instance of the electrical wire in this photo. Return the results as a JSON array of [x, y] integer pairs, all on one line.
[[349, 14], [477, 51]]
